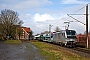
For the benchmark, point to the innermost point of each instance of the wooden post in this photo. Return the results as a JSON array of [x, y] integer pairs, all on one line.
[[87, 24]]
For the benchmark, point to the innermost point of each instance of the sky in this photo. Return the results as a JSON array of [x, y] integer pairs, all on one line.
[[39, 14]]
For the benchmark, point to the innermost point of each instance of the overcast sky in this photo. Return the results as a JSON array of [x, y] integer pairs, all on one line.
[[38, 14]]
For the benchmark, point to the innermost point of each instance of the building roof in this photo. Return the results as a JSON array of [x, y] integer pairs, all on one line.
[[27, 29]]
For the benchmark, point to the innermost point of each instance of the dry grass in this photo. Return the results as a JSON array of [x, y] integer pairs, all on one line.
[[52, 52], [13, 41]]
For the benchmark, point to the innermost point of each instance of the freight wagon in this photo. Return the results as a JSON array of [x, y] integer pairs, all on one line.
[[81, 40]]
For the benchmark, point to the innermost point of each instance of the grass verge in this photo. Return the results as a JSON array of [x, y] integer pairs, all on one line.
[[13, 41], [52, 52]]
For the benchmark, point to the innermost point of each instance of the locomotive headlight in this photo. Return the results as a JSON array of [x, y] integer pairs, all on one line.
[[65, 43], [71, 40]]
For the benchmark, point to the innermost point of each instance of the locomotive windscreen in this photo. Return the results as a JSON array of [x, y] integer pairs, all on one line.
[[70, 32]]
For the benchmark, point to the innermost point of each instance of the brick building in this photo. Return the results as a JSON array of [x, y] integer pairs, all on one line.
[[24, 33]]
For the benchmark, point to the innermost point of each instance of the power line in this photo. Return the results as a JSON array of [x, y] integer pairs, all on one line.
[[80, 9], [75, 19]]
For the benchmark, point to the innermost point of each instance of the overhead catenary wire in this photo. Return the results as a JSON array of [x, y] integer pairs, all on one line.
[[57, 23], [75, 19], [81, 8], [77, 14]]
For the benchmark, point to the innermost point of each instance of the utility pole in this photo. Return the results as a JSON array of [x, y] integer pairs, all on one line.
[[87, 24], [87, 44], [50, 30]]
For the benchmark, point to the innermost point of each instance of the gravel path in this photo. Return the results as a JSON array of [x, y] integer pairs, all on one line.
[[24, 51]]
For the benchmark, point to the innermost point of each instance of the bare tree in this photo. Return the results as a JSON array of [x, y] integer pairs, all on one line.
[[9, 21], [57, 29], [19, 32]]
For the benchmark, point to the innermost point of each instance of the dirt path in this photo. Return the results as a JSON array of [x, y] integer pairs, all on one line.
[[24, 51]]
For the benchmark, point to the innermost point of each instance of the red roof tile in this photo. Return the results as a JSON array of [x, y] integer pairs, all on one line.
[[27, 29]]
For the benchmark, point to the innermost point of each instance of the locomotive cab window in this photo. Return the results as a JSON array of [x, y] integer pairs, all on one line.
[[71, 34]]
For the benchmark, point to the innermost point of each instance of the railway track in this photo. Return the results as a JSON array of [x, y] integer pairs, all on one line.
[[78, 50], [82, 50]]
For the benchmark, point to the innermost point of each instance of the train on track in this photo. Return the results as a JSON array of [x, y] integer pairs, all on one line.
[[63, 38]]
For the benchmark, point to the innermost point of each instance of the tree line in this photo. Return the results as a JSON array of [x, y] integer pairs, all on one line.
[[9, 21]]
